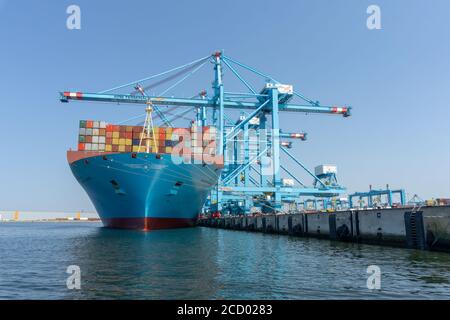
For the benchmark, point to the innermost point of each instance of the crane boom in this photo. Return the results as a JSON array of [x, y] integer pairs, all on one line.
[[169, 101]]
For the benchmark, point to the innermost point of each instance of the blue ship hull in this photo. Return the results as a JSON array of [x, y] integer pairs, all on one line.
[[143, 191]]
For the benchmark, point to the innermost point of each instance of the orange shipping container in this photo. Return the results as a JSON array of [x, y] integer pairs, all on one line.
[[81, 147], [89, 124]]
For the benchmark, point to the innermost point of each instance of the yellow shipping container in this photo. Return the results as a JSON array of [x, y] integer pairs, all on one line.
[[168, 149], [129, 142], [116, 135], [108, 148], [122, 142], [137, 149], [115, 141], [121, 148], [169, 130]]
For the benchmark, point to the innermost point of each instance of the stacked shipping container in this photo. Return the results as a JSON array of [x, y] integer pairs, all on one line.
[[99, 136], [92, 136]]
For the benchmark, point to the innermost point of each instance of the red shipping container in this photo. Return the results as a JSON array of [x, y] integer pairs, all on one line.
[[123, 128], [137, 129], [109, 140], [109, 128], [115, 148], [136, 135], [109, 134], [162, 136], [116, 128], [88, 139], [129, 135], [128, 148], [89, 124], [123, 135], [81, 147]]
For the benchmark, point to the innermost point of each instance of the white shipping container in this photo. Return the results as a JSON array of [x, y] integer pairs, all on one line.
[[325, 169], [94, 147], [102, 125], [287, 182], [89, 132], [101, 147], [82, 131], [95, 139], [88, 147], [96, 124], [102, 139], [95, 132]]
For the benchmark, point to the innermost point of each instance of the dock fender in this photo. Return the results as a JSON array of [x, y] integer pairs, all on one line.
[[431, 239], [343, 232], [297, 230], [290, 229], [269, 229]]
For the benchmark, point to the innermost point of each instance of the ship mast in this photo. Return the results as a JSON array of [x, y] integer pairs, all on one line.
[[148, 132]]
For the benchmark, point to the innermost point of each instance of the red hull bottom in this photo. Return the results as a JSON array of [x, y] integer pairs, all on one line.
[[148, 224]]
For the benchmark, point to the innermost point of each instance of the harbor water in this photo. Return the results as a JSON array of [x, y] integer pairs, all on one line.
[[202, 263]]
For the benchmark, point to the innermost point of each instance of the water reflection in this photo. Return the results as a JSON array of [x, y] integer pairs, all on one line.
[[205, 263], [174, 264]]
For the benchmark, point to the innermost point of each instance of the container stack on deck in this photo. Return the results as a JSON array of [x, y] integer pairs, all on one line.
[[99, 136], [92, 136]]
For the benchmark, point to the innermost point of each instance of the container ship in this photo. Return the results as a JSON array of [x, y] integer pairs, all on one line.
[[146, 178]]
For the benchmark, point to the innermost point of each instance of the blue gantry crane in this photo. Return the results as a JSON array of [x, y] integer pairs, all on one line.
[[373, 198], [251, 145]]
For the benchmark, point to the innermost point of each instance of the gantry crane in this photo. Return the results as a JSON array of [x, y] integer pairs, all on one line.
[[251, 145]]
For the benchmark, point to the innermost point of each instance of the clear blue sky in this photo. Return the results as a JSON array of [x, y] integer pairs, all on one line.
[[397, 79]]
